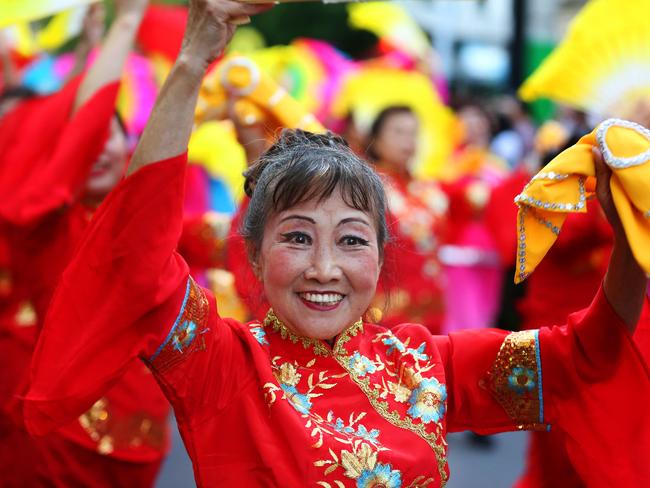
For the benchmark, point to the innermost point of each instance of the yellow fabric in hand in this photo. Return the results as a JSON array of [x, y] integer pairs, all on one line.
[[564, 185]]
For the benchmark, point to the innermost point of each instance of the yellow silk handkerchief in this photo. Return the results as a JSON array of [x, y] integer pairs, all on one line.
[[564, 185]]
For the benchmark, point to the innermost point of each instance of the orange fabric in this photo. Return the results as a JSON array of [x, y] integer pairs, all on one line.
[[564, 185]]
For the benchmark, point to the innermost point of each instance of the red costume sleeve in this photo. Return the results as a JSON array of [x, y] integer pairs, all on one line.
[[116, 299], [203, 239], [587, 379], [249, 288], [501, 215], [47, 151]]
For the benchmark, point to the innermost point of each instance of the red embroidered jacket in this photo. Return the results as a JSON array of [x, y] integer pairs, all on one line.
[[259, 406]]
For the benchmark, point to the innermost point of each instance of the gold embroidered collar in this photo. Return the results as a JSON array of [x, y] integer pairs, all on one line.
[[321, 348]]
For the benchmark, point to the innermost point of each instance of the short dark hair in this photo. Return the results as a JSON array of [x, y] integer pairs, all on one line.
[[303, 166], [380, 122]]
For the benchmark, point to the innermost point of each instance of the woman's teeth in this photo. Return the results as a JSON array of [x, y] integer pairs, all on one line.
[[322, 298]]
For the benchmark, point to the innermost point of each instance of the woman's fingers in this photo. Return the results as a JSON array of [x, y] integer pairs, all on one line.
[[239, 10], [603, 174], [241, 20], [604, 193]]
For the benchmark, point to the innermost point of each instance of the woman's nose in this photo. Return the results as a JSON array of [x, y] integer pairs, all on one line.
[[324, 266]]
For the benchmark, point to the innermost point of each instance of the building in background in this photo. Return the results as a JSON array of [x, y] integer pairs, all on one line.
[[491, 45]]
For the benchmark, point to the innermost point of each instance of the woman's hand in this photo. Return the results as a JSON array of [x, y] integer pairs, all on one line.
[[604, 194], [93, 25], [129, 8], [625, 282], [210, 26]]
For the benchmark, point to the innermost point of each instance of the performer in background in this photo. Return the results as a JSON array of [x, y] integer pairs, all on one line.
[[471, 263], [60, 156], [413, 278]]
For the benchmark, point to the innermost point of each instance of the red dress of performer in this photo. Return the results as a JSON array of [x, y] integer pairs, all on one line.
[[411, 281], [471, 264], [47, 152], [259, 406]]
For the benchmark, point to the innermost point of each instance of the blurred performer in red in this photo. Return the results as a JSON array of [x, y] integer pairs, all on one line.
[[412, 290], [470, 258], [60, 156]]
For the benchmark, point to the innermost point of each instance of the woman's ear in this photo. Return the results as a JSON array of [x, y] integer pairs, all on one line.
[[257, 270], [254, 260]]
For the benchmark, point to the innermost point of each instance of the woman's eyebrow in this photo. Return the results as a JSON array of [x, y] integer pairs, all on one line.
[[298, 217], [353, 219]]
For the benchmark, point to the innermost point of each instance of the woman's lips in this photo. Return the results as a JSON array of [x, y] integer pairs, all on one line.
[[321, 301]]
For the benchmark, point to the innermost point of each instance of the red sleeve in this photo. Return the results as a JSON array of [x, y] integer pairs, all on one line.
[[47, 152], [115, 301], [583, 231], [597, 390], [249, 288], [587, 379], [203, 240], [501, 215]]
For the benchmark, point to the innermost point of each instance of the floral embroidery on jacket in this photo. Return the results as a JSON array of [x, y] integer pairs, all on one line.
[[361, 464], [394, 373], [184, 337], [515, 380], [404, 376], [258, 332], [428, 401]]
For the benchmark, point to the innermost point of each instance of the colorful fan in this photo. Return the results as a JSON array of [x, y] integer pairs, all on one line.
[[391, 23], [214, 145], [296, 69], [137, 94], [603, 64], [61, 28], [14, 11], [369, 90], [259, 97], [335, 65], [26, 42]]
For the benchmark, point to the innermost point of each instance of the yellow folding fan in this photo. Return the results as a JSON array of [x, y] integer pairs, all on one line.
[[603, 64]]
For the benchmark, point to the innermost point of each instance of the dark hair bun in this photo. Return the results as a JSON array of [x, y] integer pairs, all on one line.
[[290, 142]]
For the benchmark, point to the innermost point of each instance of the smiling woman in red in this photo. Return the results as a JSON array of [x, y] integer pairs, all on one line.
[[312, 395]]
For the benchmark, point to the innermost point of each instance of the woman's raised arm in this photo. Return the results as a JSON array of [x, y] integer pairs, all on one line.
[[112, 56], [210, 25], [625, 282]]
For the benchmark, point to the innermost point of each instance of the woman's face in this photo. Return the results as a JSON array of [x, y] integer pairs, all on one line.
[[319, 264], [110, 165], [476, 126], [396, 142]]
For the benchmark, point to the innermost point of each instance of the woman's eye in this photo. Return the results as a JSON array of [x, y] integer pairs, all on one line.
[[354, 241], [296, 238]]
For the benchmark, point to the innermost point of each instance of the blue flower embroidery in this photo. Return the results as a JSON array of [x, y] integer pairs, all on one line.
[[339, 426], [184, 336], [394, 343], [299, 401], [361, 365], [418, 353], [381, 475], [259, 334], [521, 379], [371, 436], [362, 432], [428, 401]]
